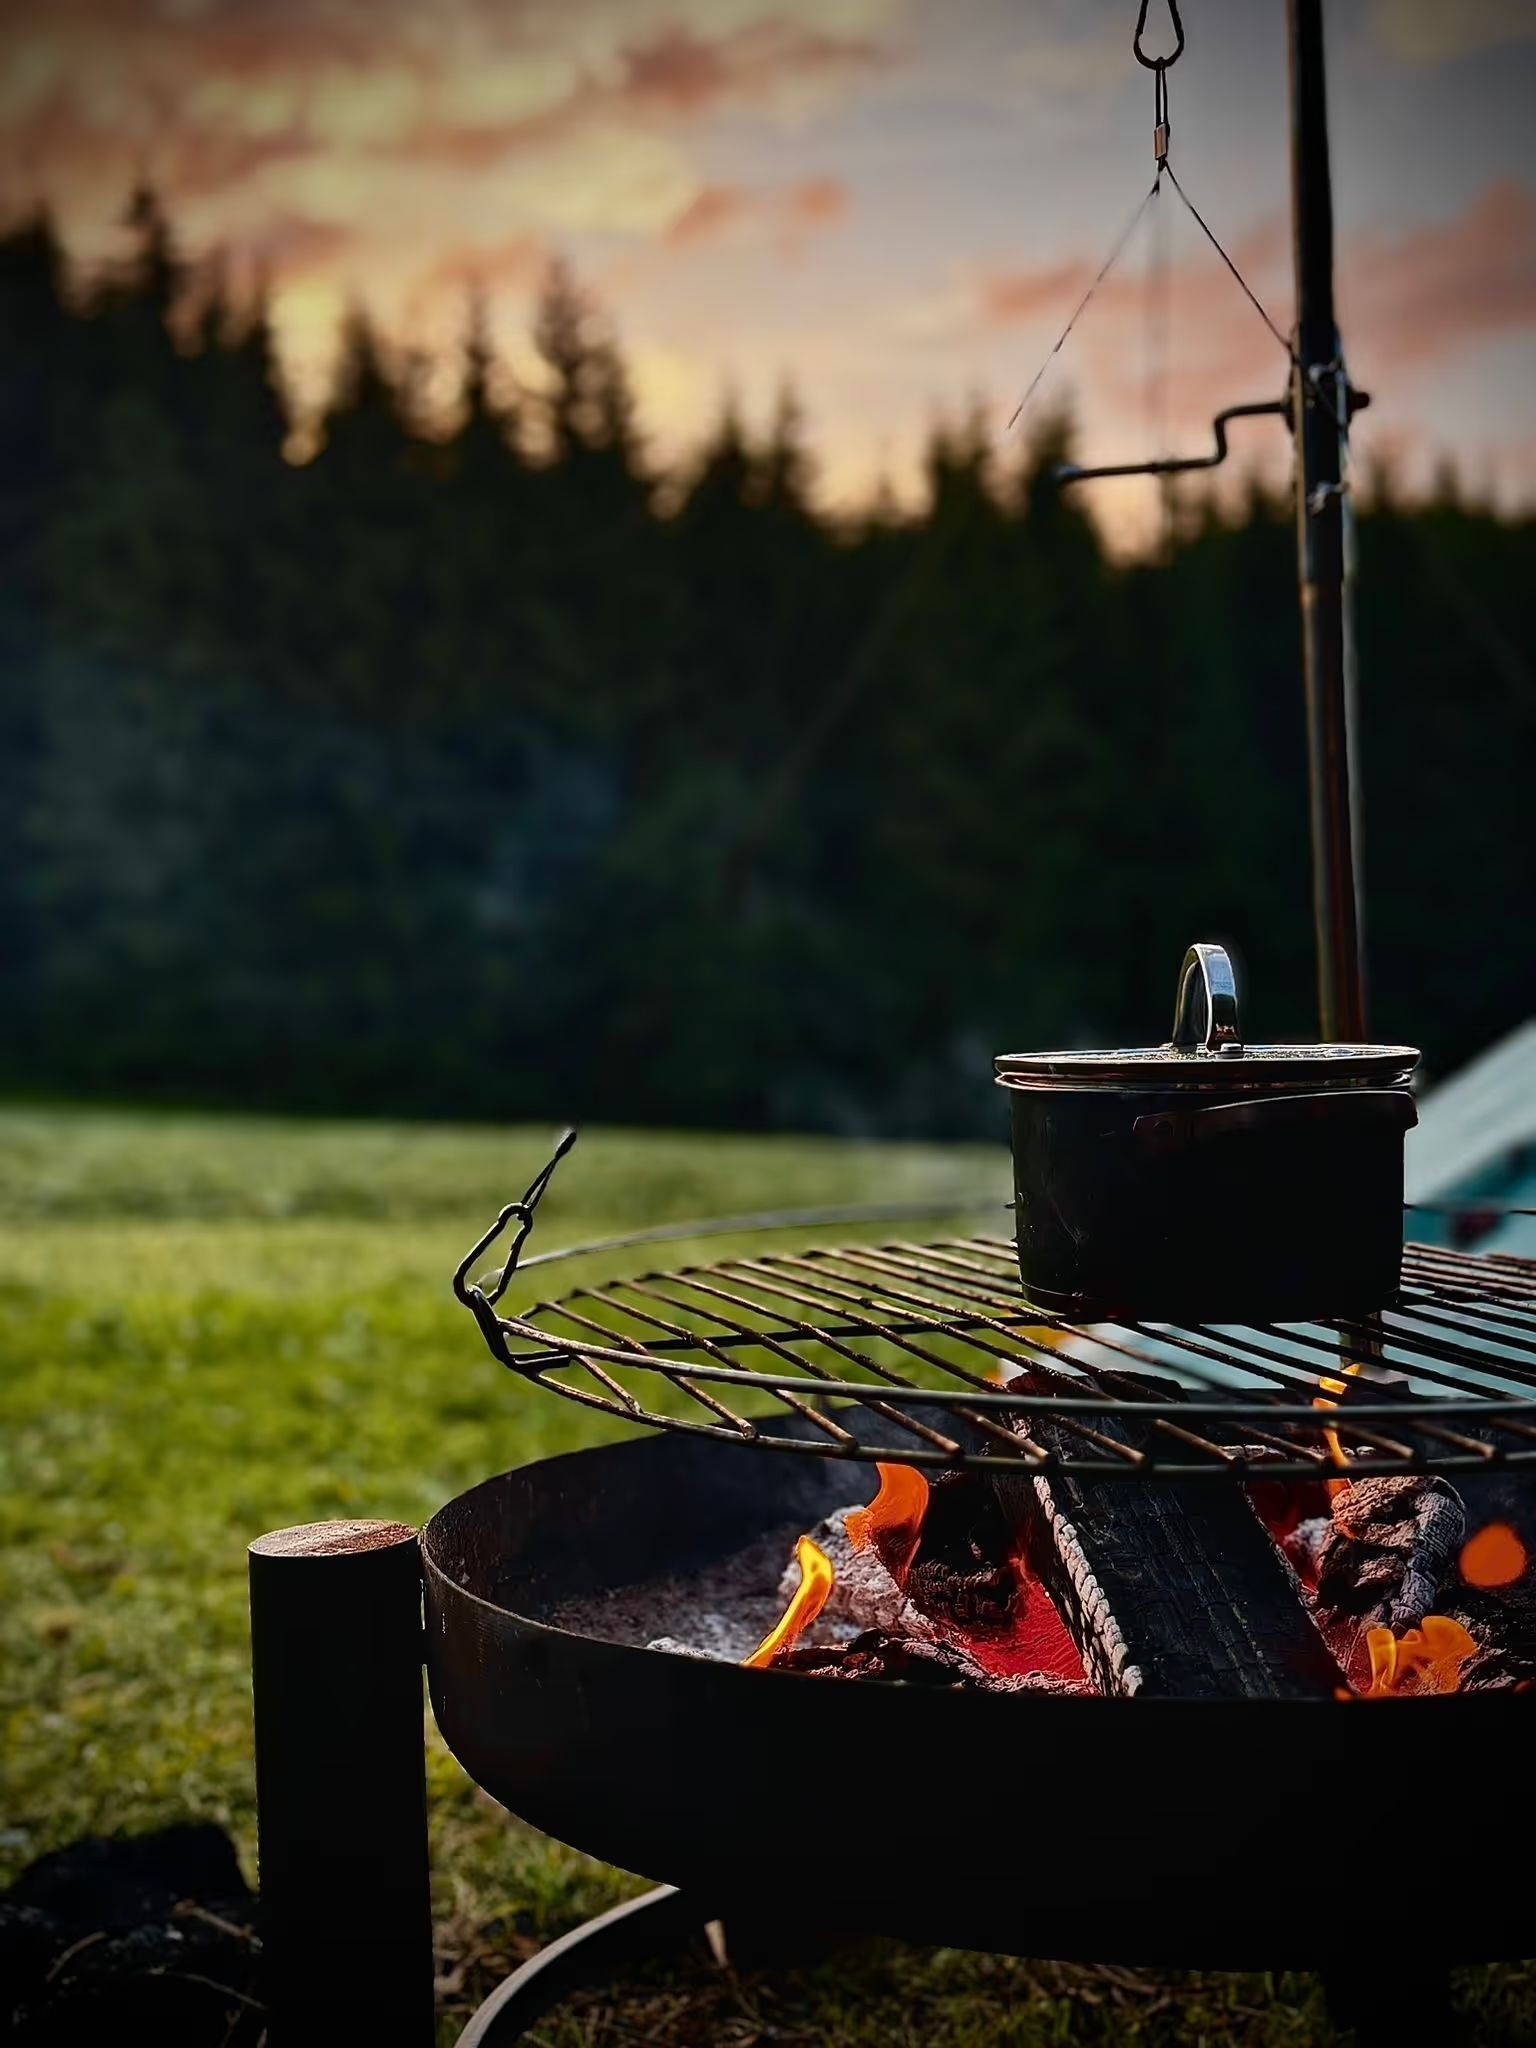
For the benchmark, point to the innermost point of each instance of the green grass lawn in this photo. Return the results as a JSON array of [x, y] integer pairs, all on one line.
[[212, 1326]]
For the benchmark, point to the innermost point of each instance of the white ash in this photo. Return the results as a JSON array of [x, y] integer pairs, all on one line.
[[864, 1595], [1303, 1547], [722, 1611]]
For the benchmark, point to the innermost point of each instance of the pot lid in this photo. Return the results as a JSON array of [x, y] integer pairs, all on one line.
[[1244, 1066], [1207, 1050]]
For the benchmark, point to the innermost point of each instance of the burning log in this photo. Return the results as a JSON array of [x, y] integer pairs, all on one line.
[[1492, 1589], [963, 1575], [864, 1594], [920, 1559], [1400, 1583], [1168, 1589], [1391, 1548], [916, 1660], [1503, 1624]]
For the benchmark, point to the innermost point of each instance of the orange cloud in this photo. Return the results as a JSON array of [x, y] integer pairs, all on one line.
[[364, 117], [818, 202], [712, 209], [289, 246], [519, 260], [716, 210], [1009, 297], [686, 71]]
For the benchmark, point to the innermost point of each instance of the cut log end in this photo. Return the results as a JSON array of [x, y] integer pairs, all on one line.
[[332, 1539]]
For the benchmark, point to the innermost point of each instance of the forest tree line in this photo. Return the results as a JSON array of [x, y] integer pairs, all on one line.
[[490, 771]]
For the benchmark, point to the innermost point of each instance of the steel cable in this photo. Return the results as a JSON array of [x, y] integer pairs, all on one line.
[[1109, 263]]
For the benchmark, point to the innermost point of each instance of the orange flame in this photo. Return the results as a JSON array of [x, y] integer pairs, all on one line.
[[1336, 1448], [892, 1524], [1427, 1659], [1495, 1556], [817, 1578]]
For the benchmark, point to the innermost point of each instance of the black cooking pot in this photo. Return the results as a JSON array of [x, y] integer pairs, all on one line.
[[1207, 1180]]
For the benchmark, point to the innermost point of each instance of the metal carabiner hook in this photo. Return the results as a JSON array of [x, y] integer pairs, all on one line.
[[1158, 63]]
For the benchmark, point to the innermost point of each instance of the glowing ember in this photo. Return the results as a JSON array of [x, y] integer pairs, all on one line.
[[1035, 1642], [892, 1524], [815, 1589], [1495, 1556], [1427, 1659]]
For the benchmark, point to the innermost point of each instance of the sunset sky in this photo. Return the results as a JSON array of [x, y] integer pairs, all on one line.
[[895, 202]]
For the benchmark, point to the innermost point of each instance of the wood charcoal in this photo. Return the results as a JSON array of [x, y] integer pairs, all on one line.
[[1391, 1549], [1502, 1618], [963, 1573], [915, 1660], [1168, 1588], [1502, 1621], [1303, 1547]]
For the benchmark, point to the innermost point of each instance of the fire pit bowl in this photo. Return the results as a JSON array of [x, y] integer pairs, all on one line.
[[1247, 1833]]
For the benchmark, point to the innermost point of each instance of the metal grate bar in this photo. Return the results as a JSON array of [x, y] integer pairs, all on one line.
[[998, 1431], [683, 1385], [791, 1401], [1162, 1423], [776, 1345], [809, 1292], [1423, 1308]]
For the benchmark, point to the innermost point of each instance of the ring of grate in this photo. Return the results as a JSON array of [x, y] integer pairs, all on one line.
[[925, 1335]]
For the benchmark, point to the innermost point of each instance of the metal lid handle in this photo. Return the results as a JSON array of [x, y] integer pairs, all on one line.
[[1206, 974]]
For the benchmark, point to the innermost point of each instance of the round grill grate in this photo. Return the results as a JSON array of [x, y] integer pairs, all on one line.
[[927, 1337]]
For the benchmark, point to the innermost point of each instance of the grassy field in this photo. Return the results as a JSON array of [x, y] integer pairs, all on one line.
[[214, 1326]]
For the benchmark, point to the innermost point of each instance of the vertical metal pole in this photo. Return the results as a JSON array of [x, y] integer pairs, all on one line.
[[341, 1805], [1320, 408]]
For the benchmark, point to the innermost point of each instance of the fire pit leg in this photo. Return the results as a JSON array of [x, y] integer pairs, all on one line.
[[341, 1804], [640, 1928], [1385, 2013]]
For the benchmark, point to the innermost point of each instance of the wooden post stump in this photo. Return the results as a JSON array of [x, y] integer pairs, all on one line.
[[336, 1672]]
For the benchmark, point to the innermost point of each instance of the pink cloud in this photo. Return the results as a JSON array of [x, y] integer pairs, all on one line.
[[718, 210], [232, 110], [1008, 298], [817, 202], [685, 72], [290, 246], [1423, 296], [712, 209], [519, 260]]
